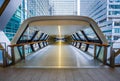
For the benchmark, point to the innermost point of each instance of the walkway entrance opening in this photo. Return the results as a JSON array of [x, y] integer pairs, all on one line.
[[68, 41]]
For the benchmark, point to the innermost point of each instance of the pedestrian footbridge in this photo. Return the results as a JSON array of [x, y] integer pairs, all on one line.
[[59, 42]]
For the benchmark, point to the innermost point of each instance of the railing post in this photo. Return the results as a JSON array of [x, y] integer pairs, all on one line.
[[13, 55], [80, 45], [47, 43], [43, 43], [39, 45], [105, 55], [4, 58], [75, 44], [4, 54], [23, 51], [95, 48], [112, 58]]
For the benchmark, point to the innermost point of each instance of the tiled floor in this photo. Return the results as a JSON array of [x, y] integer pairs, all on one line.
[[81, 74]]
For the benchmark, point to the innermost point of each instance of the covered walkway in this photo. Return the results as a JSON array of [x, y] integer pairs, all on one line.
[[58, 42], [58, 48]]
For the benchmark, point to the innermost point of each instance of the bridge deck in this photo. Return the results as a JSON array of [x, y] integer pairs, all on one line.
[[59, 56]]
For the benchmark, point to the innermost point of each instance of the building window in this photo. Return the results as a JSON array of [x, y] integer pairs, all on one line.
[[114, 12], [110, 24], [114, 6], [110, 0], [117, 30], [117, 0], [114, 1], [116, 23], [116, 37], [103, 20]]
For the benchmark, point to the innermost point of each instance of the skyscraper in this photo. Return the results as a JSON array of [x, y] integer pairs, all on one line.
[[13, 24], [63, 7], [28, 8], [84, 6], [107, 14], [113, 16], [38, 8]]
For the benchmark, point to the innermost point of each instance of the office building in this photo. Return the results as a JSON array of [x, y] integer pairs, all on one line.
[[84, 6], [13, 24], [28, 8], [107, 14], [63, 7], [38, 8]]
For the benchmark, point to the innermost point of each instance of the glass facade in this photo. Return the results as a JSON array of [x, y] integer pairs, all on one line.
[[90, 34], [114, 1], [81, 35], [107, 14], [32, 34], [23, 10], [13, 24], [38, 8], [64, 7], [28, 8]]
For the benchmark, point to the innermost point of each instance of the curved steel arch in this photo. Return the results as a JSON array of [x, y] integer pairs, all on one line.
[[79, 19]]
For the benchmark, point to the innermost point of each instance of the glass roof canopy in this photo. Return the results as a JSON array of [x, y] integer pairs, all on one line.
[[42, 27]]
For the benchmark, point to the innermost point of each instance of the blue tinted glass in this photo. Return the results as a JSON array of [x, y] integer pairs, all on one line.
[[1, 2], [75, 37], [81, 35], [0, 56], [90, 34]]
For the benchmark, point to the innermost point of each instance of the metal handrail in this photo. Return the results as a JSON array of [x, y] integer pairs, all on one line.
[[21, 44], [98, 44], [104, 60], [114, 54]]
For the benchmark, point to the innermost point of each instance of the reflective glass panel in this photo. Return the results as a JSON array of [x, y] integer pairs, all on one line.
[[73, 37], [43, 37], [1, 60], [37, 36], [28, 34], [90, 34], [81, 35], [76, 37]]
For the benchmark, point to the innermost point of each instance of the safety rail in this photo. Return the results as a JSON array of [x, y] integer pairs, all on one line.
[[12, 45], [4, 57], [96, 54], [23, 49], [115, 52], [98, 44]]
